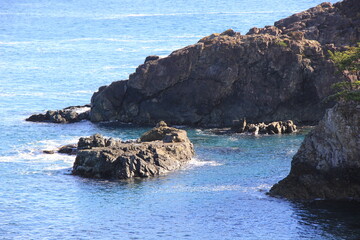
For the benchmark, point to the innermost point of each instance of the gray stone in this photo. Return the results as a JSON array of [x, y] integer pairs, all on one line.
[[327, 165], [157, 152]]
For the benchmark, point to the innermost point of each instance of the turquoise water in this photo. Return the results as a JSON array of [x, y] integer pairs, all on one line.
[[57, 53]]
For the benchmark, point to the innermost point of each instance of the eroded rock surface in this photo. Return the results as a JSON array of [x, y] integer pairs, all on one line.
[[277, 72], [157, 152], [327, 165], [278, 127]]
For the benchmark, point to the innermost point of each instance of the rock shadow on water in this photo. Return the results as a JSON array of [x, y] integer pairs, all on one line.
[[335, 219]]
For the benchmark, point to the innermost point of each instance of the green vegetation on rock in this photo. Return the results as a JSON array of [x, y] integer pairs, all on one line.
[[348, 63]]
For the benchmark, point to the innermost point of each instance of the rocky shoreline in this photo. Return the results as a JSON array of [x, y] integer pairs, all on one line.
[[271, 73]]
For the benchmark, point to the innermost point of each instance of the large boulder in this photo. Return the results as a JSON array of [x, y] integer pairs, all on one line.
[[327, 165], [157, 152], [278, 72]]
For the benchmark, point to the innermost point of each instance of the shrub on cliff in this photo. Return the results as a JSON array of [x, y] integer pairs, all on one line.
[[348, 63]]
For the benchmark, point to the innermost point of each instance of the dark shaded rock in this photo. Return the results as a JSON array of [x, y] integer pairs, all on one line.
[[239, 125], [229, 32], [49, 151], [67, 115], [70, 149], [276, 72], [157, 152], [327, 165], [38, 118], [151, 58]]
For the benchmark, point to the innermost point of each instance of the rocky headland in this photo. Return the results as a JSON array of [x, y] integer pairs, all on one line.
[[156, 152], [269, 74], [327, 165]]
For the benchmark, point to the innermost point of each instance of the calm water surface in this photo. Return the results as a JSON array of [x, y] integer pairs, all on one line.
[[57, 53]]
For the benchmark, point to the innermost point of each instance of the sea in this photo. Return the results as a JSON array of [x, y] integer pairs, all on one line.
[[57, 53]]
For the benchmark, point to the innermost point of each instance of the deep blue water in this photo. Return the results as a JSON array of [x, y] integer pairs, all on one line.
[[57, 53]]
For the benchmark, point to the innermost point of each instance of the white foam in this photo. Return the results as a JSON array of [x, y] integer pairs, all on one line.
[[111, 67], [195, 162], [82, 110]]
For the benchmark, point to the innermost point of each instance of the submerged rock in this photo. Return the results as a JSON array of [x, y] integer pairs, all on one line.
[[327, 165], [70, 149], [67, 115], [158, 151]]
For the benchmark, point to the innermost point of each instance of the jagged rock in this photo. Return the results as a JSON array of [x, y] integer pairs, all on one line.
[[158, 151], [279, 127], [326, 23], [276, 72], [67, 115], [327, 165]]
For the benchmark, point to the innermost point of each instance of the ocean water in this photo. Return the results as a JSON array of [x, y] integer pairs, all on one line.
[[57, 53]]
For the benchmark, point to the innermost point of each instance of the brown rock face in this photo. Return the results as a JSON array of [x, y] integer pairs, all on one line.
[[337, 24], [273, 73], [327, 165], [158, 151]]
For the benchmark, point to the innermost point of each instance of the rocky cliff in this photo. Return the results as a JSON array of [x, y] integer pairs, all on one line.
[[157, 152], [274, 73], [327, 165]]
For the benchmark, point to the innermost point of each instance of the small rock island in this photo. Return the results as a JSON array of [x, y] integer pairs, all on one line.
[[156, 152]]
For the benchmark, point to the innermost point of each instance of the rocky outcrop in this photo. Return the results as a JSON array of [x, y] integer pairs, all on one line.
[[327, 165], [337, 24], [279, 127], [67, 115], [278, 72], [158, 151]]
